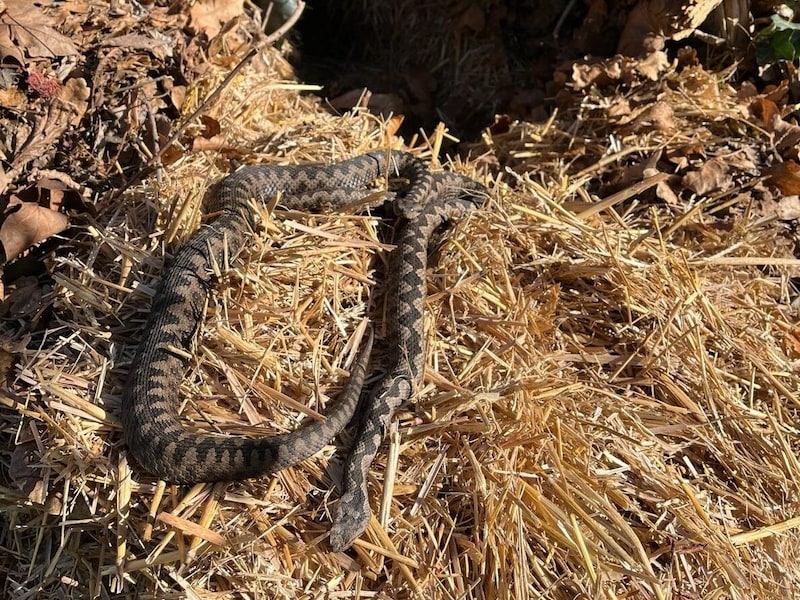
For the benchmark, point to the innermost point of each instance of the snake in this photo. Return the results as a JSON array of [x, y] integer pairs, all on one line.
[[156, 436]]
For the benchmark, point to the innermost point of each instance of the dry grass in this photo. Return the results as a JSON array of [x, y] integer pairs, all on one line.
[[609, 409]]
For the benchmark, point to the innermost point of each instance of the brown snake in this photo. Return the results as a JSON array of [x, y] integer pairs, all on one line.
[[154, 432]]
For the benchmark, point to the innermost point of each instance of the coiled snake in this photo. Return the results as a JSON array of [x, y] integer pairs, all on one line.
[[155, 435]]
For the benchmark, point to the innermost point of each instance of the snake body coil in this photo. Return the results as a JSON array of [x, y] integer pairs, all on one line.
[[155, 435]]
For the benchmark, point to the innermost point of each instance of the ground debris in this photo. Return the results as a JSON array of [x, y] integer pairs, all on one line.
[[611, 395]]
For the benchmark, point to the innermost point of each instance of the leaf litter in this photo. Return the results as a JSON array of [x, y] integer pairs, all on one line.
[[610, 401]]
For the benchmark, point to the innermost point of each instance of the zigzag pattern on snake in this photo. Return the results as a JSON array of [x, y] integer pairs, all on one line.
[[154, 432]]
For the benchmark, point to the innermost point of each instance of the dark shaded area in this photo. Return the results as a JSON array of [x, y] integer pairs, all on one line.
[[463, 62], [459, 63]]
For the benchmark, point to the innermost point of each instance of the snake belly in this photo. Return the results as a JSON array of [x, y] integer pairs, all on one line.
[[154, 432]]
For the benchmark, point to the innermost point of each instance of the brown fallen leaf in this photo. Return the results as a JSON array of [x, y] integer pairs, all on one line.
[[793, 341], [216, 143], [421, 84], [210, 138], [177, 93], [47, 129], [12, 98], [211, 127], [787, 138], [788, 208], [658, 116], [25, 31], [160, 48], [653, 65], [597, 73], [57, 191], [764, 112], [386, 105], [664, 192], [711, 176], [681, 155], [174, 152], [351, 99], [785, 176], [619, 68], [744, 160], [208, 16], [620, 109], [651, 21], [75, 94], [22, 468], [25, 224]]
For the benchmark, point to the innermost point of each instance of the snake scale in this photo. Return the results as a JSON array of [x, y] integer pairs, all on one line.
[[154, 432]]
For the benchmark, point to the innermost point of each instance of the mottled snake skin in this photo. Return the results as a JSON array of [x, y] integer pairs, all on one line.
[[154, 432]]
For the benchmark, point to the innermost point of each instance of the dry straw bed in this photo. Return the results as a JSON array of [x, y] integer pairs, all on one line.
[[609, 408]]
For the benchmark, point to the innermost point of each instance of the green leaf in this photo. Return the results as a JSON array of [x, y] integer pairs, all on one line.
[[784, 45]]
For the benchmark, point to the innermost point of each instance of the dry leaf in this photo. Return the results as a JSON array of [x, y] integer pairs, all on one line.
[[584, 75], [26, 224], [177, 93], [664, 192], [620, 109], [12, 98], [160, 48], [354, 98], [174, 152], [711, 176], [25, 31], [216, 143], [658, 116], [765, 112], [208, 16], [23, 467], [421, 84], [785, 176], [793, 339], [787, 138], [744, 160], [75, 93], [46, 131], [619, 68], [788, 208], [651, 21], [384, 105], [681, 155], [57, 191], [653, 65]]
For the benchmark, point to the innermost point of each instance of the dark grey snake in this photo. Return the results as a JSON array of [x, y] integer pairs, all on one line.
[[154, 432]]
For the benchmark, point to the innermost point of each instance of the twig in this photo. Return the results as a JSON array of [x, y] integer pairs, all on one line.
[[270, 39]]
